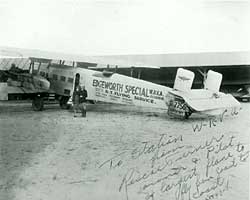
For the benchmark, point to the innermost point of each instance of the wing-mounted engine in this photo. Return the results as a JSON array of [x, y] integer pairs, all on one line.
[[22, 78], [31, 82]]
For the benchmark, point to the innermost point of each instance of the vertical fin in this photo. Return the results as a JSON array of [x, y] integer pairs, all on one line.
[[183, 80], [213, 81]]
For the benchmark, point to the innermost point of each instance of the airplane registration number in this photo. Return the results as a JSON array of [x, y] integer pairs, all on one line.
[[177, 107]]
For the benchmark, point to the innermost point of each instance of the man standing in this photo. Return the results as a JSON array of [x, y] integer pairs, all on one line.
[[79, 100], [83, 96]]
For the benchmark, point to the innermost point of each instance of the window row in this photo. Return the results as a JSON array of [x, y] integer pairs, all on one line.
[[55, 77]]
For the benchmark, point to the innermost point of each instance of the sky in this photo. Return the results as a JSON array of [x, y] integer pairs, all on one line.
[[108, 27]]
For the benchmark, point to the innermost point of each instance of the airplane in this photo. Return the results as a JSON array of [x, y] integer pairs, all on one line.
[[180, 101]]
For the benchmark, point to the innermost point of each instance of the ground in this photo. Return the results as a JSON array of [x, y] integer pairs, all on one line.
[[122, 152]]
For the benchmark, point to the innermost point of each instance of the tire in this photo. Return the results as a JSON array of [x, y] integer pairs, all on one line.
[[37, 104], [63, 102], [187, 115], [92, 101]]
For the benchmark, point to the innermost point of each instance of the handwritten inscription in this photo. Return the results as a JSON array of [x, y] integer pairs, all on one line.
[[214, 121], [169, 168]]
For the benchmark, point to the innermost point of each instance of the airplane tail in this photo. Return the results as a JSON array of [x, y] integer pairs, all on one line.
[[213, 81], [183, 80]]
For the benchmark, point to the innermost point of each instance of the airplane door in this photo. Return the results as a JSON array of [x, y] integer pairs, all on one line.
[[82, 80], [77, 80]]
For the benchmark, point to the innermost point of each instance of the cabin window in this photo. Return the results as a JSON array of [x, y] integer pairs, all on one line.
[[55, 77], [63, 78], [70, 80], [42, 73], [36, 66], [66, 91]]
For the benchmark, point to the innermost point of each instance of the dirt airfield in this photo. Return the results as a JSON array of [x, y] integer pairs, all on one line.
[[122, 152]]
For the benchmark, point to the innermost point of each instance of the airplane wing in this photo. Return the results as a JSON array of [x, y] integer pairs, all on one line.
[[197, 60], [94, 61], [155, 61]]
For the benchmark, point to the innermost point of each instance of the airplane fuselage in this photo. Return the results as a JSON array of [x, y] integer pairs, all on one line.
[[105, 87], [120, 89]]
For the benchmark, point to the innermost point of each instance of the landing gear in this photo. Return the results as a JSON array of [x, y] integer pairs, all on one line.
[[177, 107], [63, 102], [187, 114], [38, 103], [84, 113]]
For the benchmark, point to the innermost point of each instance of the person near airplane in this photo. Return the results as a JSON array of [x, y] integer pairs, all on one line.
[[79, 100]]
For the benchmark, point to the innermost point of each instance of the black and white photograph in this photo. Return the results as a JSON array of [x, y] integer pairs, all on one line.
[[124, 99]]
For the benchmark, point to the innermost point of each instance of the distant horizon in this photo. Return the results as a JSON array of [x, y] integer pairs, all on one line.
[[140, 60], [81, 54]]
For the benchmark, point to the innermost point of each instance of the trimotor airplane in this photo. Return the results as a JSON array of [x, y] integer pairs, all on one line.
[[62, 77]]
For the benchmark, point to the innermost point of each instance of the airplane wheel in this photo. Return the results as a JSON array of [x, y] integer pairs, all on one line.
[[92, 101], [37, 104], [187, 115], [63, 103]]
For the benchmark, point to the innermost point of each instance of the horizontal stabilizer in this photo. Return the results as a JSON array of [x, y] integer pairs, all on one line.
[[202, 100], [225, 101]]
